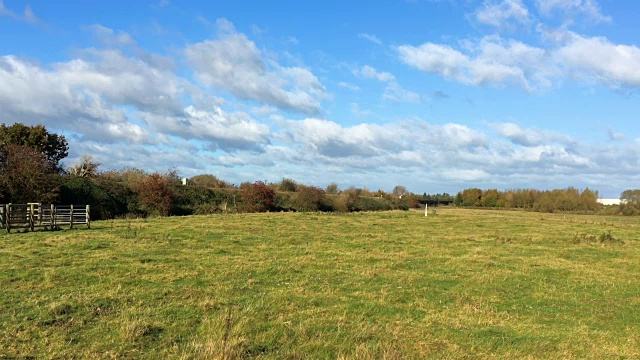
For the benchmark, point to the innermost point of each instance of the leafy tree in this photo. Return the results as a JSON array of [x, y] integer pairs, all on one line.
[[310, 198], [630, 202], [458, 200], [630, 197], [25, 175], [209, 181], [332, 189], [288, 185], [53, 146]]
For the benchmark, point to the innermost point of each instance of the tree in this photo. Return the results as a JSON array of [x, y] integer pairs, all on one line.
[[399, 190], [209, 181], [332, 189], [630, 197], [309, 198], [630, 202], [53, 146], [85, 168], [288, 185], [25, 175]]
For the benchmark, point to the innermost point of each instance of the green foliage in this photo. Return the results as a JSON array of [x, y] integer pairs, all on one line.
[[332, 189], [54, 147], [288, 185], [567, 200], [209, 181], [84, 191], [630, 202], [25, 175], [310, 198]]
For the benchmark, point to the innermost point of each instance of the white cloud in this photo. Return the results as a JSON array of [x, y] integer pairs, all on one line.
[[572, 8], [368, 72], [31, 94], [492, 61], [503, 13], [234, 63], [227, 132], [598, 59], [495, 61], [372, 38], [529, 137]]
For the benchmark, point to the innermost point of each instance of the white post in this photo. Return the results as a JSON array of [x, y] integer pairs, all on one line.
[[426, 209]]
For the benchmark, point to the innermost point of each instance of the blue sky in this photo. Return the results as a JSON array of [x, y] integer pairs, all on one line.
[[434, 95]]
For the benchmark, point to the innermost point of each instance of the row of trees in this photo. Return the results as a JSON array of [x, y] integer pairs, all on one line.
[[30, 171], [569, 199]]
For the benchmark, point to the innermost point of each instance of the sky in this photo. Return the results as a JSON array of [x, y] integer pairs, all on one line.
[[434, 95]]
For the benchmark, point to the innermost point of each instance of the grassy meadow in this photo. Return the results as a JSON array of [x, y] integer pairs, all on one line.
[[394, 285]]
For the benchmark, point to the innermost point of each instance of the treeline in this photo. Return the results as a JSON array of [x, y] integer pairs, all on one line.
[[569, 199], [132, 192]]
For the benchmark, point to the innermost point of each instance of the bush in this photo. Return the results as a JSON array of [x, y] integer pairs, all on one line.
[[257, 197], [154, 195], [84, 191], [288, 185], [310, 198]]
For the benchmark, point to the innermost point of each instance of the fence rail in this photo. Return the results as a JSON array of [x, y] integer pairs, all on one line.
[[30, 216]]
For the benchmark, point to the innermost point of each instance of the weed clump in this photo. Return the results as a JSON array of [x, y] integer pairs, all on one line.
[[605, 238]]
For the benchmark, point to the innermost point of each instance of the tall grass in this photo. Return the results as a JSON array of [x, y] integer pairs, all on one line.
[[394, 285]]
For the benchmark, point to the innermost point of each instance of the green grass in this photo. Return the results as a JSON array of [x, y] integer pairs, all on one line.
[[462, 284]]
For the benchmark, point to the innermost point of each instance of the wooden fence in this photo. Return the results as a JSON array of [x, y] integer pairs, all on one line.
[[30, 216]]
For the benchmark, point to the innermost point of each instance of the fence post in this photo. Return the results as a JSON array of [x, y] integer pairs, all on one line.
[[88, 218], [71, 218], [53, 217], [9, 217], [31, 219], [3, 213]]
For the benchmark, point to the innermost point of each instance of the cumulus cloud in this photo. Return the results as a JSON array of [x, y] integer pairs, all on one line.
[[496, 61], [221, 131], [529, 137], [502, 14], [493, 61], [596, 58], [107, 95], [32, 94], [234, 63]]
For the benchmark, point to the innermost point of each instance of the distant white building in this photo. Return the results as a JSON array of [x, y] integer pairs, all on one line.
[[609, 201]]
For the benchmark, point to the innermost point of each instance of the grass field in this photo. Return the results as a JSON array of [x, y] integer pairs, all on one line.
[[460, 284]]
